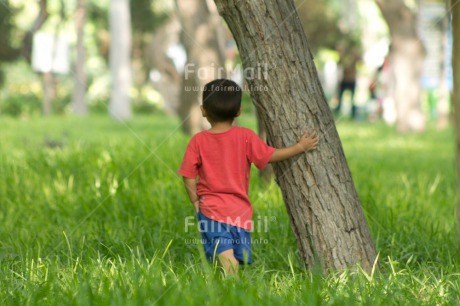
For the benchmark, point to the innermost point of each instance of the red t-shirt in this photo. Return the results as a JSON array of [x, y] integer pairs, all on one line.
[[222, 162]]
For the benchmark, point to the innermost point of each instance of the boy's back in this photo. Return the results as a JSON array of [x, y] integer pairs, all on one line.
[[223, 162]]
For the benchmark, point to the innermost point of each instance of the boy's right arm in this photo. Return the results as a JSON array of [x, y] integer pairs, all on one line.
[[305, 144], [190, 187]]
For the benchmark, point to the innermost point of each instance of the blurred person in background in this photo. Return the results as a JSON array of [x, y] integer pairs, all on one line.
[[350, 55]]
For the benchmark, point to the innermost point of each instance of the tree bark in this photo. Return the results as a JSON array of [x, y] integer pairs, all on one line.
[[120, 59], [321, 199], [266, 174], [456, 93], [203, 43], [406, 59], [79, 104], [442, 107]]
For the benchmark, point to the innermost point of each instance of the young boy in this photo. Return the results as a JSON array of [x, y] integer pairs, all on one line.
[[221, 157]]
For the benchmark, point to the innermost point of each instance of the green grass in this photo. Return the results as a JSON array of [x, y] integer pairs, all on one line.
[[92, 213]]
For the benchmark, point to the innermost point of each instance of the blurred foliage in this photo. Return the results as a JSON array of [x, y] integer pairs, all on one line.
[[144, 19], [98, 17], [145, 102], [20, 105], [7, 51], [322, 21], [322, 24], [30, 105], [145, 107], [22, 91]]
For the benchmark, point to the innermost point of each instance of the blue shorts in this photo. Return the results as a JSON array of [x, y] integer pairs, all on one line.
[[218, 237]]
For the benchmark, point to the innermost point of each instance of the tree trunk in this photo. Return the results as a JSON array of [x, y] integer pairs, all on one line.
[[321, 199], [442, 107], [120, 59], [456, 94], [267, 173], [170, 80], [49, 92], [406, 59], [50, 83], [203, 43], [79, 104]]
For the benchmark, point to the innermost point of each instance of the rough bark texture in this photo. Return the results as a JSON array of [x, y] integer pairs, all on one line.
[[201, 37], [321, 199], [267, 173], [120, 59], [406, 59], [79, 93], [456, 94]]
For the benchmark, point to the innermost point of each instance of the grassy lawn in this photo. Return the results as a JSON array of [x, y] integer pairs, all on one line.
[[92, 212]]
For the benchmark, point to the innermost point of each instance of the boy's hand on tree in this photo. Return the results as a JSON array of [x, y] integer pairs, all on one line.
[[308, 142], [304, 144]]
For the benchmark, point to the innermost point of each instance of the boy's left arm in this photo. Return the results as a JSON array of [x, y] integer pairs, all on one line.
[[306, 143], [190, 187]]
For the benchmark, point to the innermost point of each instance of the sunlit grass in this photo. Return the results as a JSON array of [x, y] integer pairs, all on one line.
[[92, 211]]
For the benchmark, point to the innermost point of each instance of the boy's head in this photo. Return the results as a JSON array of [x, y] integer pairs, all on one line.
[[221, 100]]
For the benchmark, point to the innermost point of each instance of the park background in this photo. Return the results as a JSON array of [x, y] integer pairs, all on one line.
[[93, 211]]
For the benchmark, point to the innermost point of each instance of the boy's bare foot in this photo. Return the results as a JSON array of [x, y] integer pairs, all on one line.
[[228, 261]]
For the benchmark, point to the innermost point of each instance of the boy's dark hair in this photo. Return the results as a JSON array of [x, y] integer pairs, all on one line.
[[222, 99]]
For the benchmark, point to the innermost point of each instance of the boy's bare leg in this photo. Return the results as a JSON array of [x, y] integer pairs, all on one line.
[[228, 261]]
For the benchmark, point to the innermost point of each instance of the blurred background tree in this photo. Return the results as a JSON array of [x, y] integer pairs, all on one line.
[[322, 22], [203, 38], [145, 21], [120, 59], [40, 19], [456, 93], [406, 57], [349, 40], [79, 93]]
